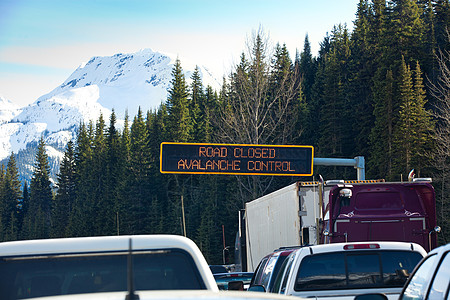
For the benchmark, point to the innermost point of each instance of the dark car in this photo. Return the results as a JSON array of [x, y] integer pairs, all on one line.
[[233, 280], [268, 268], [215, 269]]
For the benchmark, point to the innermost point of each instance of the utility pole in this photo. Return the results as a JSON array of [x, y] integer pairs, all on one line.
[[182, 211], [117, 218]]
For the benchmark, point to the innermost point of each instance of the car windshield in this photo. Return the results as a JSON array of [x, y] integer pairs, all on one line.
[[356, 269], [28, 277]]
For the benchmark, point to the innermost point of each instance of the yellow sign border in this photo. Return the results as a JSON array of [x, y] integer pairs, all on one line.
[[233, 145]]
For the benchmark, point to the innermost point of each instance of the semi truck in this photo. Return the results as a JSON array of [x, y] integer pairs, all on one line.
[[311, 213]]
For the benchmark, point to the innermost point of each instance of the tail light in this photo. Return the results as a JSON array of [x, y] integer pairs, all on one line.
[[361, 246]]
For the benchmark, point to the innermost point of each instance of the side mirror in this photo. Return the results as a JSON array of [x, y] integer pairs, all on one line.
[[374, 296], [257, 288]]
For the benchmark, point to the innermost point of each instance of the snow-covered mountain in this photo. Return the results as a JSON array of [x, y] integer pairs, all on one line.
[[8, 110], [122, 82]]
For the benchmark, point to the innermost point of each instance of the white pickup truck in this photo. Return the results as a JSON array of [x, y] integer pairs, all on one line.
[[344, 270], [38, 268]]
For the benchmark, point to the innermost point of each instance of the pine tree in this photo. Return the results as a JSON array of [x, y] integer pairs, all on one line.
[[179, 122], [430, 44], [423, 124], [65, 196], [82, 216], [442, 24], [11, 198], [179, 129], [336, 122], [208, 110], [318, 92], [22, 211], [405, 32], [205, 232], [415, 125], [362, 66], [196, 100], [115, 177], [122, 205], [307, 68], [381, 156], [38, 218], [138, 177], [103, 206], [404, 133], [158, 183]]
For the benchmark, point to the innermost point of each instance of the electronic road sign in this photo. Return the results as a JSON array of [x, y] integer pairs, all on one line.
[[237, 159]]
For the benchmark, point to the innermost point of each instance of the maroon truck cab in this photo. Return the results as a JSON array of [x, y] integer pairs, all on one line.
[[395, 211]]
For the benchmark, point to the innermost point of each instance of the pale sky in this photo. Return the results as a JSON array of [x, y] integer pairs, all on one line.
[[43, 41]]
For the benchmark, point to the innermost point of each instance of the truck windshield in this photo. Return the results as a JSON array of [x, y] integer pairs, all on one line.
[[386, 200], [28, 277], [356, 269]]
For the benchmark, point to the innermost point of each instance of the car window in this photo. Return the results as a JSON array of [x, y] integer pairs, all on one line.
[[281, 279], [397, 266], [275, 271], [28, 277], [268, 271], [256, 280], [355, 269], [322, 271], [441, 282], [277, 281], [286, 275], [416, 288], [364, 269]]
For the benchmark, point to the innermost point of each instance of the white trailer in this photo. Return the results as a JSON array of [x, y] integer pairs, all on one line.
[[287, 217]]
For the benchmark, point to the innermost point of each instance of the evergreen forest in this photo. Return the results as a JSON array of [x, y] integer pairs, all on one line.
[[380, 89]]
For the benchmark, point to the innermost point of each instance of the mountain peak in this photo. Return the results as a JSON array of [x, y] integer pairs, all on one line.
[[129, 81]]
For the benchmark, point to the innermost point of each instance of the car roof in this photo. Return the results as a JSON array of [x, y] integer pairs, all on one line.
[[281, 252], [95, 244], [405, 246]]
